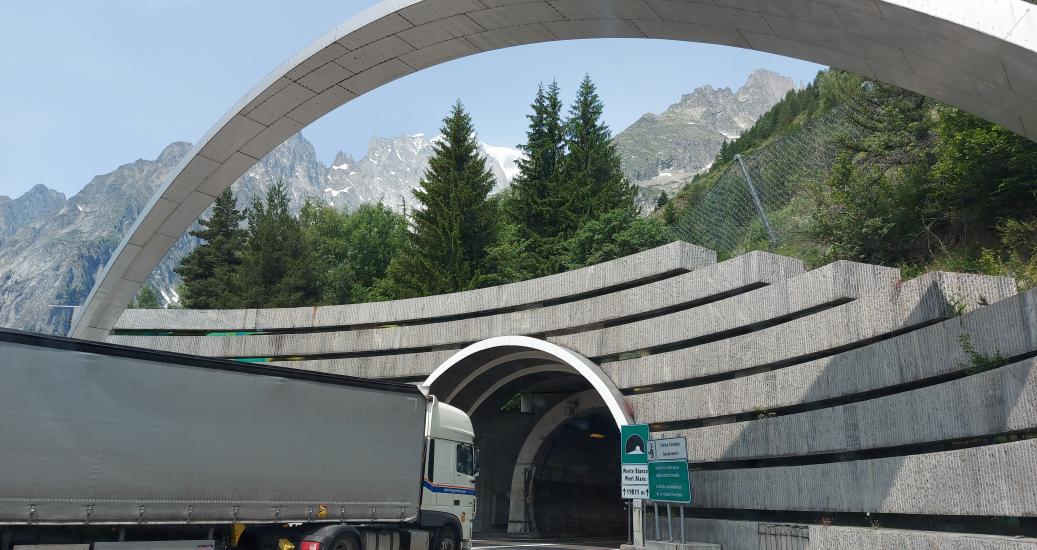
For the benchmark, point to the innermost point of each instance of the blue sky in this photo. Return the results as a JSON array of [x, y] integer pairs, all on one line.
[[92, 85]]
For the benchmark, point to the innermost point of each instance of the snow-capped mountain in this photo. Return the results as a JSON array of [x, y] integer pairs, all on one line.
[[52, 249], [392, 168]]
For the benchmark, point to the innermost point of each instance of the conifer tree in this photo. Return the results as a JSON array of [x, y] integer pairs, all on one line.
[[455, 225], [534, 207], [592, 166], [537, 196], [209, 272], [275, 269], [146, 298]]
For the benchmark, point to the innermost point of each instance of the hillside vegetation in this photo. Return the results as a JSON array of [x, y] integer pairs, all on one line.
[[920, 185]]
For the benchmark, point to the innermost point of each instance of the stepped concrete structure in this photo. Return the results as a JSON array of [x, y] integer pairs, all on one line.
[[836, 408], [976, 54]]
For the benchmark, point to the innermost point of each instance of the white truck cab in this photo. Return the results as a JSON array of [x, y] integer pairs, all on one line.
[[451, 468]]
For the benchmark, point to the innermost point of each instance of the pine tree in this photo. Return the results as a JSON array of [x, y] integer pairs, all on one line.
[[146, 299], [537, 200], [275, 270], [210, 271], [455, 225], [534, 208], [592, 166]]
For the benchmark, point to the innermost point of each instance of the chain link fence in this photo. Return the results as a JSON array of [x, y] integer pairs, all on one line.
[[759, 201]]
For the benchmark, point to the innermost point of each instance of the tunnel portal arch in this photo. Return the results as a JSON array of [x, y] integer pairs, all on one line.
[[569, 420], [975, 55]]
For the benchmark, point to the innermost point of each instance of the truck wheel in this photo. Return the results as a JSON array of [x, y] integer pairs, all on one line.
[[345, 541], [447, 540]]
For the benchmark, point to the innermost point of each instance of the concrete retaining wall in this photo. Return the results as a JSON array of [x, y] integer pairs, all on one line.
[[671, 258], [854, 360], [1001, 400], [1007, 327]]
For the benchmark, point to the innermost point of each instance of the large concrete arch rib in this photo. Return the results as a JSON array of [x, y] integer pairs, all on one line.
[[567, 360], [977, 55]]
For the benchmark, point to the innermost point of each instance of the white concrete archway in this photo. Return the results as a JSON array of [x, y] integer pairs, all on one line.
[[977, 55], [467, 366]]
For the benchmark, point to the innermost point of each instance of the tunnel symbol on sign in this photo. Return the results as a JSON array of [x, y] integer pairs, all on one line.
[[635, 445]]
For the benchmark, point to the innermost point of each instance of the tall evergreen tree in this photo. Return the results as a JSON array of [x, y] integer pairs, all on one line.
[[537, 187], [210, 271], [455, 225], [275, 270], [592, 166], [533, 210]]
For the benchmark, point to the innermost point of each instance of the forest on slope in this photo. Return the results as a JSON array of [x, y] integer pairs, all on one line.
[[911, 183]]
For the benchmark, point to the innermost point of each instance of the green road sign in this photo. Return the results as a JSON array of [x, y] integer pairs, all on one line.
[[668, 481], [634, 444]]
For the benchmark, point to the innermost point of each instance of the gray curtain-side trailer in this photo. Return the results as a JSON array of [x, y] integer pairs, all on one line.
[[102, 444]]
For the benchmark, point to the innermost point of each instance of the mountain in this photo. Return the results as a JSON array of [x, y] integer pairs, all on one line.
[[33, 205], [53, 260], [53, 249], [660, 152], [392, 168]]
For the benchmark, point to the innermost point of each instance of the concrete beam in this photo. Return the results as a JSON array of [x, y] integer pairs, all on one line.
[[1001, 400], [995, 480], [920, 301], [669, 258], [826, 285], [1005, 327]]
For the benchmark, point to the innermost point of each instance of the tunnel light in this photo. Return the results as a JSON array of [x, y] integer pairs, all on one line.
[[597, 435]]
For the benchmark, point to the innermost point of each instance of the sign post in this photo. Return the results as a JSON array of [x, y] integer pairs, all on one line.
[[668, 479], [633, 453]]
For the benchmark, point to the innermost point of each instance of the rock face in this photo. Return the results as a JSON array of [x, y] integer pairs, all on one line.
[[662, 151], [52, 262], [33, 205], [51, 249]]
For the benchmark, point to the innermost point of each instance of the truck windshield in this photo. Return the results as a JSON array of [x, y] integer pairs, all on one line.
[[466, 463]]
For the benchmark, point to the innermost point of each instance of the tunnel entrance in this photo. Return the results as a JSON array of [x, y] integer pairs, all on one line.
[[546, 422], [573, 484]]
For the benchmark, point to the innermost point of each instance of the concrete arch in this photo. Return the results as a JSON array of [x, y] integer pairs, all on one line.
[[456, 372], [976, 55]]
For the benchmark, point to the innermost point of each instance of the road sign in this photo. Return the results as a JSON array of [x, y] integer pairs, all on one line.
[[670, 448], [633, 448], [634, 444], [668, 481], [636, 492]]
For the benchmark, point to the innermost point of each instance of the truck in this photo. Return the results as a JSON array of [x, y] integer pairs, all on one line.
[[106, 447]]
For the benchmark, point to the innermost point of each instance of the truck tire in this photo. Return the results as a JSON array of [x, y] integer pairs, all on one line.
[[344, 541], [447, 539]]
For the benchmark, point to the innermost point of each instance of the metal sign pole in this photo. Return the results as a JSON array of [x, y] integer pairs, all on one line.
[[657, 537], [638, 522], [669, 522], [682, 524]]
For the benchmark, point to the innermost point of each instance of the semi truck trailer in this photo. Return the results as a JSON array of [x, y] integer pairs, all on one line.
[[106, 447]]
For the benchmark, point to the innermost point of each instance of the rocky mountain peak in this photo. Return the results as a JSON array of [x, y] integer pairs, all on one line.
[[685, 138], [343, 161], [172, 153], [32, 205]]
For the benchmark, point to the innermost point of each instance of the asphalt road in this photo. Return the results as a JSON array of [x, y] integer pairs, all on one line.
[[480, 543]]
